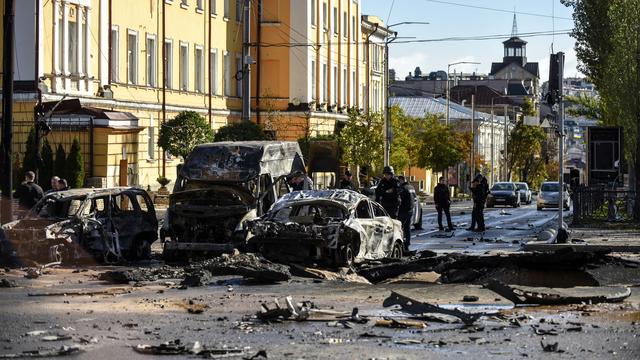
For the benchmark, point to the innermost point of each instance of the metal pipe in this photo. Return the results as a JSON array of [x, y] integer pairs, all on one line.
[[473, 134], [210, 66], [246, 73], [7, 112], [164, 78], [560, 60], [258, 53]]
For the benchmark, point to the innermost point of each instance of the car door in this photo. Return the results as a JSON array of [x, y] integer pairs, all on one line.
[[364, 217], [384, 230]]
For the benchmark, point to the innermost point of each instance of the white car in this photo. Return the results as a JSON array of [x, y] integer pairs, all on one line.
[[334, 226], [525, 192], [549, 196]]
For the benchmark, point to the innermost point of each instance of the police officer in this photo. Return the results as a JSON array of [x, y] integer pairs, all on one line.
[[405, 211], [479, 191], [387, 192], [28, 192], [442, 199], [345, 182]]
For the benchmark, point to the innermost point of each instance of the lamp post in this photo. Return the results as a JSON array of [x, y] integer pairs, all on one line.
[[387, 116], [448, 87]]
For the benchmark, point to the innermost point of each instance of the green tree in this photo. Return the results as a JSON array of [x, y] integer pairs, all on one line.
[[60, 163], [583, 105], [240, 131], [404, 145], [362, 140], [528, 108], [607, 34], [524, 157], [75, 165], [181, 134], [439, 146], [30, 162], [46, 172]]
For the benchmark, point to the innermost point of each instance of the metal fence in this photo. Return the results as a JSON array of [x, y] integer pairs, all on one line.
[[601, 204]]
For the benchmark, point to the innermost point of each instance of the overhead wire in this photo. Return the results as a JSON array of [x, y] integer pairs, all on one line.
[[495, 9]]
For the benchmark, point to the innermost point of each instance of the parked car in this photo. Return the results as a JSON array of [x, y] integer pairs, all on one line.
[[549, 195], [102, 224], [219, 187], [525, 192], [416, 221], [335, 226], [504, 193]]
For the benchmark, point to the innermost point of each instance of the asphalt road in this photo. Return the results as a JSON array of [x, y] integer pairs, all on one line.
[[507, 228]]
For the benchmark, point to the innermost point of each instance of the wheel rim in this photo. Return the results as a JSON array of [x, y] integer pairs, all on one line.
[[348, 255]]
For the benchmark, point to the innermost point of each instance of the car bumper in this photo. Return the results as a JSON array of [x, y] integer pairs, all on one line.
[[501, 201]]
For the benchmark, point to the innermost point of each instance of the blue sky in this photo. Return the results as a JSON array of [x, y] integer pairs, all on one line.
[[449, 20]]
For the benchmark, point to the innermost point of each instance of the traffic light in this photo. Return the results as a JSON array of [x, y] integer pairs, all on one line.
[[554, 79]]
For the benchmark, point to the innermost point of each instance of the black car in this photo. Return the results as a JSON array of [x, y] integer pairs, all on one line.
[[504, 193]]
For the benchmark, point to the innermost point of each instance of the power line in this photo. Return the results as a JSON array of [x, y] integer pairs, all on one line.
[[497, 10]]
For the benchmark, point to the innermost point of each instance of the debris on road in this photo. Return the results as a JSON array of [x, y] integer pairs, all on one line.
[[424, 277], [197, 278], [4, 283], [550, 347], [400, 323], [555, 296], [344, 274], [126, 276], [108, 291], [247, 265], [44, 353], [415, 307]]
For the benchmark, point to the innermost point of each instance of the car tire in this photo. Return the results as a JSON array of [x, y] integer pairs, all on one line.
[[418, 225], [345, 255], [141, 250], [396, 252]]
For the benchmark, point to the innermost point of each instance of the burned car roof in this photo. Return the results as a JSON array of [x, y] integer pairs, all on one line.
[[347, 198], [241, 160], [82, 192]]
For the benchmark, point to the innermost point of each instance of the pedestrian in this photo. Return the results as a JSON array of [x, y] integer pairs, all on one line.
[[300, 181], [442, 199], [479, 191], [345, 182], [387, 192], [405, 210], [28, 192], [62, 185], [54, 184]]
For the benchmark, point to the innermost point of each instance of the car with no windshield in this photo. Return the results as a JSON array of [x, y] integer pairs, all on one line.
[[504, 193], [334, 226]]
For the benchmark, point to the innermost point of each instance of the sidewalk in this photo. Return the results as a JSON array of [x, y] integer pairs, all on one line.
[[594, 239]]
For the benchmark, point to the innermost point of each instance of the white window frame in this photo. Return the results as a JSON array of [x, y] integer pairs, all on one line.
[[226, 9], [151, 61], [151, 140], [345, 25], [213, 9], [213, 66], [325, 16], [115, 53], [334, 74], [354, 87], [354, 30], [226, 68], [184, 66], [168, 70], [323, 83], [199, 68], [335, 20], [132, 56], [344, 86], [200, 5], [314, 79], [313, 13]]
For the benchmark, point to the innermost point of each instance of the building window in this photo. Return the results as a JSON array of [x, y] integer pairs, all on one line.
[[239, 10], [227, 74], [239, 74], [199, 5], [115, 45], [226, 9], [213, 64], [335, 20], [184, 66], [314, 94], [132, 57], [184, 2], [151, 60], [212, 7], [168, 63], [199, 76], [313, 12], [353, 29], [354, 86], [335, 84], [345, 24], [151, 139], [344, 87], [324, 82], [325, 16], [73, 48]]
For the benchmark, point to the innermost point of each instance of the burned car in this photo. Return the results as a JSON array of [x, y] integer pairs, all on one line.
[[219, 187], [80, 224], [335, 226]]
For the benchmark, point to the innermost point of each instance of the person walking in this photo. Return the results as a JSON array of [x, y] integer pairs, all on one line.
[[405, 210], [345, 182], [479, 191], [387, 192], [442, 199], [300, 181], [28, 192]]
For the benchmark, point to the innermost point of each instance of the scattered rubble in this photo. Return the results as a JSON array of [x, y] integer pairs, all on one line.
[[126, 276], [247, 265], [44, 353], [555, 296], [400, 323], [415, 307], [4, 283]]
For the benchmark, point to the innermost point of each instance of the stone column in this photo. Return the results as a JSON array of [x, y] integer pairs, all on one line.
[[65, 45], [55, 81], [87, 50], [79, 53]]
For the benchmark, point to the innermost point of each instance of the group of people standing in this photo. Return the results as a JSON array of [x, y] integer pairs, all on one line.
[[29, 192]]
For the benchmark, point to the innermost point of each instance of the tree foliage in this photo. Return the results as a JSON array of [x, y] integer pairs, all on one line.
[[362, 140], [30, 162], [240, 131], [60, 163], [524, 156], [583, 105], [439, 145], [47, 165], [75, 166], [181, 134], [404, 147]]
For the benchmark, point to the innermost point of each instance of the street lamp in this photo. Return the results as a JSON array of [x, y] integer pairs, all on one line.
[[448, 87], [387, 120]]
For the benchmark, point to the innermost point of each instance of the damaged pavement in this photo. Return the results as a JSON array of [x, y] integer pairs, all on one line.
[[504, 305]]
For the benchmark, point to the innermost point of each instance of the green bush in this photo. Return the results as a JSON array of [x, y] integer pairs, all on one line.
[[240, 131], [75, 165], [46, 172], [60, 163], [30, 162], [181, 134]]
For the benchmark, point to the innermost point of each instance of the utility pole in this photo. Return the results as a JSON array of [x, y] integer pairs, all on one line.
[[246, 62], [7, 112], [506, 140], [560, 59], [473, 134], [493, 153], [387, 116]]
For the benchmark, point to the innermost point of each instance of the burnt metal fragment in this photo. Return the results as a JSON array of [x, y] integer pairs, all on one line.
[[417, 308]]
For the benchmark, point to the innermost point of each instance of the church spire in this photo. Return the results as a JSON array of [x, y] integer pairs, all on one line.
[[514, 27]]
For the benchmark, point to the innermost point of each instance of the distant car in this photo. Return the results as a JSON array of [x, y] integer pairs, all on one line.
[[102, 224], [416, 221], [504, 193], [549, 195], [525, 192], [335, 226]]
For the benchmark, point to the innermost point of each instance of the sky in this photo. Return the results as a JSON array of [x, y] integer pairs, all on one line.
[[465, 18]]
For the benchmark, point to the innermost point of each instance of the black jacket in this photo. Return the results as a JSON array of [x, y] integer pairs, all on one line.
[[28, 194], [346, 184], [480, 190], [406, 199], [388, 194], [441, 195]]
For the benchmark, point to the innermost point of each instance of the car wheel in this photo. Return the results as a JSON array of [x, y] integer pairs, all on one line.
[[346, 255], [396, 252], [141, 250], [418, 225]]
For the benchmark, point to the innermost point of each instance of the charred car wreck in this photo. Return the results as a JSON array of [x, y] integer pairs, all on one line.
[[332, 226], [80, 224], [219, 187]]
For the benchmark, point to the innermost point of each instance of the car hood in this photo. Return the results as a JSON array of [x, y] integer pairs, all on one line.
[[216, 200]]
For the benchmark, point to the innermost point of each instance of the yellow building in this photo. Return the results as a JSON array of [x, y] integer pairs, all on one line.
[[124, 67]]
